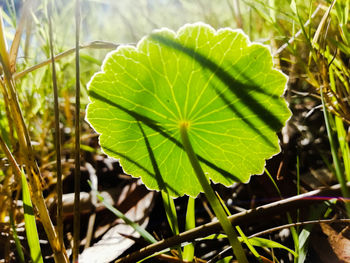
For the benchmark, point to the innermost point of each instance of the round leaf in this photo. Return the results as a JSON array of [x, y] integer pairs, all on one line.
[[217, 82]]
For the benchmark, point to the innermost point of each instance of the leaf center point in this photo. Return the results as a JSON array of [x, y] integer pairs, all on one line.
[[185, 124]]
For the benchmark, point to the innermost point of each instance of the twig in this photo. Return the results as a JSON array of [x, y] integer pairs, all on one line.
[[268, 231], [311, 222], [243, 218]]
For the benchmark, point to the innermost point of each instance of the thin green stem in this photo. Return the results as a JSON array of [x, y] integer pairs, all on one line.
[[213, 200], [60, 254], [171, 215], [336, 161], [15, 237], [170, 211], [57, 136], [289, 218], [31, 166], [76, 235], [190, 224]]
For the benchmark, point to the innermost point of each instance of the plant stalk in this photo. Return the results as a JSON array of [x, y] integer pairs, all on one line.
[[59, 191], [76, 235], [60, 254], [337, 166], [213, 200], [27, 154], [190, 223]]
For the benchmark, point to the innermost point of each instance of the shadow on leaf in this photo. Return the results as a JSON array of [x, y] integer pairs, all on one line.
[[156, 127], [238, 89]]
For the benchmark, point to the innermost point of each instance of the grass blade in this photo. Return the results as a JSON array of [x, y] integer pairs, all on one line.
[[29, 219], [147, 236], [293, 230], [18, 35], [344, 146], [170, 211], [336, 161], [90, 45], [242, 236], [255, 241], [316, 212], [57, 135], [263, 242], [17, 241]]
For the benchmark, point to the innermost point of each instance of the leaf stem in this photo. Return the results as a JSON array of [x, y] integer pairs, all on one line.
[[214, 202], [190, 223]]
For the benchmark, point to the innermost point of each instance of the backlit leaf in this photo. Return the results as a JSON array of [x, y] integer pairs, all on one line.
[[220, 84]]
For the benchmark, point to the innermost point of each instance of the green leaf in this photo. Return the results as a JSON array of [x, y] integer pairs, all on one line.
[[217, 82]]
